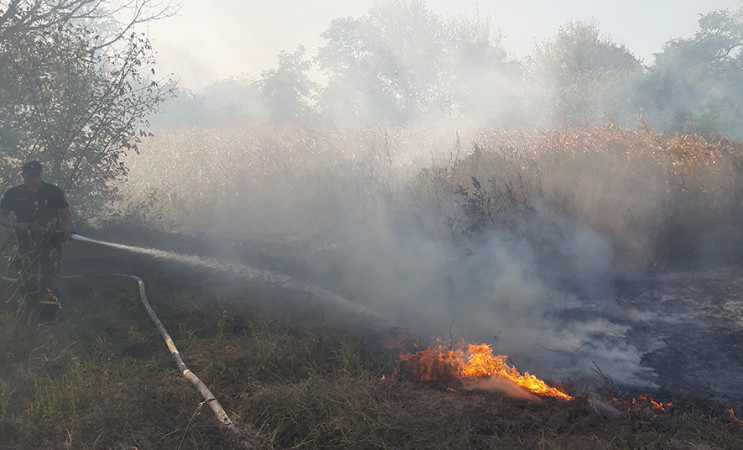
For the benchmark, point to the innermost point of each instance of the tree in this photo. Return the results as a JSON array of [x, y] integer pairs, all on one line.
[[696, 84], [388, 63], [351, 62], [411, 49], [226, 102], [401, 62], [75, 93], [584, 75], [288, 90], [485, 85]]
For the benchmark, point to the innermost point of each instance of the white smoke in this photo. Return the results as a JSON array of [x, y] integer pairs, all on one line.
[[360, 222], [554, 318]]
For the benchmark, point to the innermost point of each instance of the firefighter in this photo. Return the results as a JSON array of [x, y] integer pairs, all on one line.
[[41, 224]]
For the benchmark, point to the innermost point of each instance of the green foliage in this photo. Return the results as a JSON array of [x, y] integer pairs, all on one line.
[[73, 100], [582, 72], [58, 396], [402, 62], [223, 325], [695, 83], [288, 90], [349, 356], [186, 334], [225, 102], [319, 413]]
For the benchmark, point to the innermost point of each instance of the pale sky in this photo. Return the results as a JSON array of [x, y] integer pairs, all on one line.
[[208, 41]]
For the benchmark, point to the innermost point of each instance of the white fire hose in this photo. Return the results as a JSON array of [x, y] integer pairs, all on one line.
[[190, 376]]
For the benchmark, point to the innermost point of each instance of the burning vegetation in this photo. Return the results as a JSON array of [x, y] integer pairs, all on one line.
[[472, 365]]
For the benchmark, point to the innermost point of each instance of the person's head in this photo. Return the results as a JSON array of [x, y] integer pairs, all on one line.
[[32, 174]]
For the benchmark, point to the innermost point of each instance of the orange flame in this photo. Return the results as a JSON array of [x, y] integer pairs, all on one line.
[[641, 401], [644, 399], [732, 415], [470, 363]]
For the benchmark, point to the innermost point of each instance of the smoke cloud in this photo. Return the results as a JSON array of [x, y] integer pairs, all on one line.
[[554, 319], [361, 214]]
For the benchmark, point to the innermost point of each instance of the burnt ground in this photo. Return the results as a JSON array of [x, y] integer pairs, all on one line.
[[697, 317], [688, 321]]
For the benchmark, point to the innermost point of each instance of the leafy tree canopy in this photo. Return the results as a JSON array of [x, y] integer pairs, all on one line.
[[288, 90], [402, 62], [696, 84], [582, 69]]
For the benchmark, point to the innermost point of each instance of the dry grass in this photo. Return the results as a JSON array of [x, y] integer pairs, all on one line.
[[659, 199], [108, 382]]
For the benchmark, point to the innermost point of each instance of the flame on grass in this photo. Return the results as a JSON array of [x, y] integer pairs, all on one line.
[[471, 364], [642, 401], [734, 417]]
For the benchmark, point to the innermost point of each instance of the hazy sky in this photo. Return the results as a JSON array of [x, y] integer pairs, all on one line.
[[212, 40]]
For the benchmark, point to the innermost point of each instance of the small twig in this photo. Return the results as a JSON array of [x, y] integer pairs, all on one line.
[[451, 335], [496, 338], [513, 364], [196, 413], [607, 380], [547, 348]]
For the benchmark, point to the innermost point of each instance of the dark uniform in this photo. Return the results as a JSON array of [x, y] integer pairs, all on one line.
[[39, 249]]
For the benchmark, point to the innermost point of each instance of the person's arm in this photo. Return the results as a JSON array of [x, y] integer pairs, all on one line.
[[6, 221], [65, 220]]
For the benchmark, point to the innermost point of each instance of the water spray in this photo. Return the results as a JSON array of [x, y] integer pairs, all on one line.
[[76, 237], [251, 273]]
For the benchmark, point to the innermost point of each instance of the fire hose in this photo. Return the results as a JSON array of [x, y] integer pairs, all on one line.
[[190, 376]]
